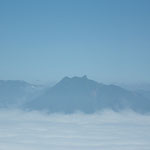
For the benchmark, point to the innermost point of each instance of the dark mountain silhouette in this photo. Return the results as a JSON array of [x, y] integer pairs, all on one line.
[[83, 94]]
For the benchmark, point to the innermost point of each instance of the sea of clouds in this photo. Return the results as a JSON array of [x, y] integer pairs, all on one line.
[[107, 130]]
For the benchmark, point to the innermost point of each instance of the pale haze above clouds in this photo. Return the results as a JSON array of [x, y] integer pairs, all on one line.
[[107, 130]]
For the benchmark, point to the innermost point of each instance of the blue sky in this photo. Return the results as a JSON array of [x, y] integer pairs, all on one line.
[[45, 40]]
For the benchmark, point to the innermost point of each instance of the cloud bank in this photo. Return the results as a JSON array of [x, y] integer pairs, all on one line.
[[107, 130]]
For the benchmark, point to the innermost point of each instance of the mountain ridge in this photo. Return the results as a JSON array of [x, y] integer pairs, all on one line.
[[70, 95], [82, 94]]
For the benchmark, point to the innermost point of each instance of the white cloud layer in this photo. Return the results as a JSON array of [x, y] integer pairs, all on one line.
[[102, 131]]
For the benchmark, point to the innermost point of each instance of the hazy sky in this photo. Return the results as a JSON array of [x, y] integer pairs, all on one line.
[[45, 40]]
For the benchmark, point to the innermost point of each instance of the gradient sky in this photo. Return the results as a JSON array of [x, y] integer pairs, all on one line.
[[108, 40]]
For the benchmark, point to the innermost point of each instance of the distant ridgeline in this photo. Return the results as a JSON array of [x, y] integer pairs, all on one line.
[[71, 95]]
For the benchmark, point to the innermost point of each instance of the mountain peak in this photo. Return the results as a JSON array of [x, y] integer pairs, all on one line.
[[66, 78], [84, 77], [75, 77]]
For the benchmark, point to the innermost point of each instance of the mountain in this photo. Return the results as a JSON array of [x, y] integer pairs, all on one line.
[[144, 93], [82, 94], [14, 93]]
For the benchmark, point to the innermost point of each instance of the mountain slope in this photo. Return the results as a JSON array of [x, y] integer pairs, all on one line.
[[14, 93]]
